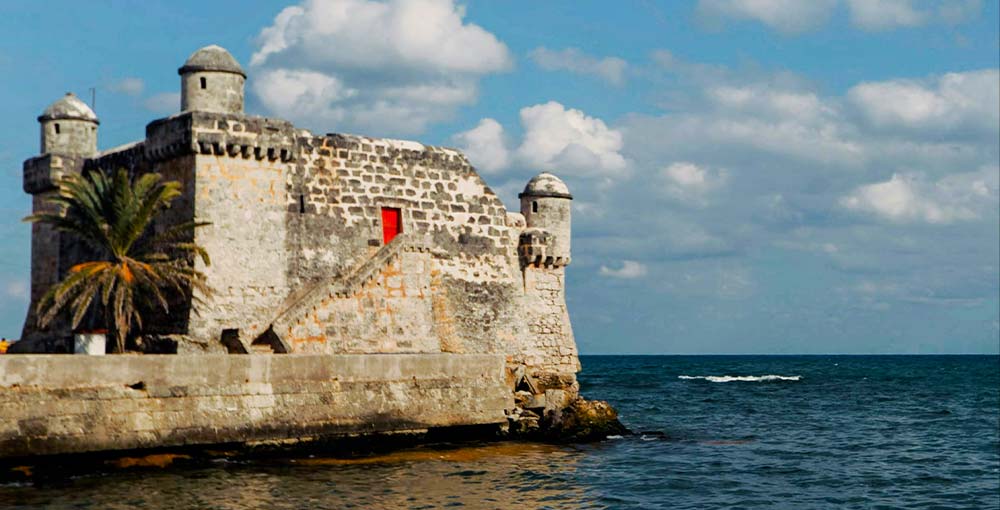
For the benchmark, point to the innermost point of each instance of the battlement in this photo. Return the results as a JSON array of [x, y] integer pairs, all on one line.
[[126, 156], [385, 150], [220, 134], [535, 248], [42, 172]]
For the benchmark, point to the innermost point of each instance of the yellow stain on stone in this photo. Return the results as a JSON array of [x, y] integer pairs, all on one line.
[[159, 460]]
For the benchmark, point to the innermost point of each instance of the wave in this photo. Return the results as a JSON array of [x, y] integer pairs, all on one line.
[[742, 378]]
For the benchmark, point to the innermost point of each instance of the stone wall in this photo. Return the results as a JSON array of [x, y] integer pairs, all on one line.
[[550, 346], [233, 169], [244, 201], [52, 404], [467, 296], [383, 306], [341, 182]]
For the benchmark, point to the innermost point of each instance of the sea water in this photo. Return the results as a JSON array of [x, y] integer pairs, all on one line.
[[791, 432]]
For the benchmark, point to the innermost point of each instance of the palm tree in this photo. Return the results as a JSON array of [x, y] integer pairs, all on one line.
[[131, 268]]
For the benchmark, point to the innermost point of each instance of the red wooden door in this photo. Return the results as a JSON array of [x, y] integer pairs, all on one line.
[[391, 224]]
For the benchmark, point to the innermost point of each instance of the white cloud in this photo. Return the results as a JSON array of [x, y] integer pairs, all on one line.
[[165, 102], [555, 138], [691, 183], [911, 198], [17, 289], [885, 14], [773, 103], [485, 146], [630, 270], [564, 139], [798, 16], [966, 101], [788, 16], [129, 86], [299, 93], [610, 69], [700, 135], [392, 67]]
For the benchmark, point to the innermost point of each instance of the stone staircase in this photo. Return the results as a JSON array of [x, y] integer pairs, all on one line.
[[341, 285]]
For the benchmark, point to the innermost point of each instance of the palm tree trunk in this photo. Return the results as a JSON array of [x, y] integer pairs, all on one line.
[[115, 334]]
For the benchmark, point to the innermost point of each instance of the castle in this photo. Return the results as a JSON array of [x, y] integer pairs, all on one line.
[[325, 244]]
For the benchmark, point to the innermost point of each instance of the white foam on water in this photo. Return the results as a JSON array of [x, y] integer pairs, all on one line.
[[743, 378]]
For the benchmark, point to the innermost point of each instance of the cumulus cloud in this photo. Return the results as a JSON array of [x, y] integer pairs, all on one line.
[[554, 138], [885, 14], [566, 139], [301, 93], [630, 270], [609, 69], [770, 102], [787, 16], [165, 102], [485, 145], [778, 124], [388, 66], [955, 102], [128, 86], [911, 198], [689, 182]]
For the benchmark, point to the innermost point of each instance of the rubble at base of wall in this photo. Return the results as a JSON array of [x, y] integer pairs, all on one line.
[[574, 420]]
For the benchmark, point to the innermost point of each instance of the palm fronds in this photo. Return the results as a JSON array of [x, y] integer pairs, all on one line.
[[131, 268]]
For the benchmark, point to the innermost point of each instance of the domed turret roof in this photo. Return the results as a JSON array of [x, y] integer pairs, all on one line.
[[546, 185], [68, 107], [212, 58]]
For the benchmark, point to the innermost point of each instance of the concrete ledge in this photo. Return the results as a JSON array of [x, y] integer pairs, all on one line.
[[57, 404]]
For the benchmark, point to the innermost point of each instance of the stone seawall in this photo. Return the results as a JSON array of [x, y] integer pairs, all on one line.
[[56, 404]]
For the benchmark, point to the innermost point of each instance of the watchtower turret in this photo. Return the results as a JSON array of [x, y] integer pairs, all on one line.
[[68, 139], [545, 204], [212, 81], [69, 128]]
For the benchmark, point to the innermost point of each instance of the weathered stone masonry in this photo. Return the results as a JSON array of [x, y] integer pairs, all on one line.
[[70, 404], [300, 262]]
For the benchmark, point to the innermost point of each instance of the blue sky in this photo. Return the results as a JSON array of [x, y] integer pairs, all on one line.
[[767, 176]]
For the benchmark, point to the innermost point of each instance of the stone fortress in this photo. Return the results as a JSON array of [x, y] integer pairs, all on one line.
[[328, 244]]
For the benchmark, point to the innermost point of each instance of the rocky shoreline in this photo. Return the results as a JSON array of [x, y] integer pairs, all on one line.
[[580, 421]]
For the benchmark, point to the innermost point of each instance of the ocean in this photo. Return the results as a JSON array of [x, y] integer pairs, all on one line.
[[796, 432]]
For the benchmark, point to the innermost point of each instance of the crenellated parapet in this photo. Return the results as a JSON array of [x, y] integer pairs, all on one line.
[[41, 173], [127, 156], [538, 248], [220, 134], [258, 138]]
